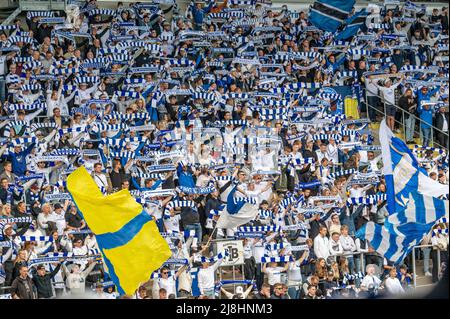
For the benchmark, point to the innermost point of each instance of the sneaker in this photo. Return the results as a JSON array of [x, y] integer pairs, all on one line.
[[428, 274]]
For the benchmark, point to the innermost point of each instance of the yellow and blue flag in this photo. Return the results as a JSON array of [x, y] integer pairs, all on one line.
[[128, 238]]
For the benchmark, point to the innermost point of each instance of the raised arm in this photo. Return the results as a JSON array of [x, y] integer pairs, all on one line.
[[87, 271], [31, 116], [228, 294]]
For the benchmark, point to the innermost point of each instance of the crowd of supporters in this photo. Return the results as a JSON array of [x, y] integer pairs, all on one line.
[[179, 107]]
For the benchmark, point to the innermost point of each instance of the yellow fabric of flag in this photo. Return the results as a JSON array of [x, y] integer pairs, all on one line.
[[127, 235]]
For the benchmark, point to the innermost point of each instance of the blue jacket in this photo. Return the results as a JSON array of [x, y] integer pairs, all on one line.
[[18, 160], [143, 189], [425, 97], [185, 178], [426, 116], [200, 14]]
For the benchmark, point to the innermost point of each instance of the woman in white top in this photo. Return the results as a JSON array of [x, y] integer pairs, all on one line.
[[392, 284]]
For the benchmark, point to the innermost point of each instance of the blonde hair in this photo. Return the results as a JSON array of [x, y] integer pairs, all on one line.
[[4, 213]]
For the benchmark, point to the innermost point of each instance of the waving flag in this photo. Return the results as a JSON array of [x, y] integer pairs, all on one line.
[[328, 15], [395, 244], [239, 211], [129, 240], [400, 162], [412, 202], [352, 25]]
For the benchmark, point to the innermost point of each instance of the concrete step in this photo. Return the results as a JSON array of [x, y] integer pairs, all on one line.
[[424, 281]]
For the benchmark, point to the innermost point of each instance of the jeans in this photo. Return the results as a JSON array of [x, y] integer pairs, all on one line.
[[209, 292], [426, 259], [259, 276], [435, 270], [294, 291], [372, 102], [426, 135], [410, 123], [351, 264], [198, 230], [357, 262]]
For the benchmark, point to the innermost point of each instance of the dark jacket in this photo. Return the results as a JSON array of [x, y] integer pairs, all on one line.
[[439, 120], [44, 283], [260, 296], [273, 296], [314, 227], [409, 105], [23, 288], [189, 216]]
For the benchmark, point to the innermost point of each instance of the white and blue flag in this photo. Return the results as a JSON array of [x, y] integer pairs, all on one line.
[[239, 211], [413, 203], [352, 25], [329, 15], [402, 172]]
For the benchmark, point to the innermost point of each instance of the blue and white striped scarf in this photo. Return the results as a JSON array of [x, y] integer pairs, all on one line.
[[24, 140], [178, 204], [8, 220], [112, 127], [36, 126], [34, 14], [27, 107], [218, 257], [342, 173], [37, 238], [197, 190], [66, 151], [279, 259], [87, 79], [29, 177], [57, 197], [367, 200], [122, 154], [253, 229]]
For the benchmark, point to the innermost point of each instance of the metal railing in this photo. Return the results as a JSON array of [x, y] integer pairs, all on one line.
[[414, 262], [402, 123], [25, 5]]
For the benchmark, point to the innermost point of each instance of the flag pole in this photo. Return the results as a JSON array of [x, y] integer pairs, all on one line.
[[211, 236]]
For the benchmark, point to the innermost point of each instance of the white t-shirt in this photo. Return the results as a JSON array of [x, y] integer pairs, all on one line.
[[168, 284], [206, 278], [274, 275], [172, 224], [265, 195], [293, 272], [371, 280], [394, 286], [248, 250], [258, 251], [60, 221], [101, 181]]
